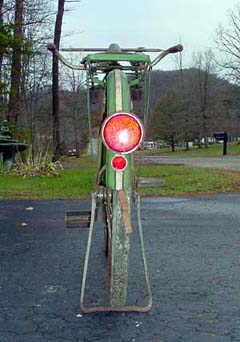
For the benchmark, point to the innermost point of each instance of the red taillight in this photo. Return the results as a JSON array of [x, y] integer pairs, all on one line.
[[119, 163], [122, 132]]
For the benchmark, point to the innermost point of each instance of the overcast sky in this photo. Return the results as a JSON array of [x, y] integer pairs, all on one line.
[[149, 23]]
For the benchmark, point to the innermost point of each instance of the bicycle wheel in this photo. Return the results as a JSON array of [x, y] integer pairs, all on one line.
[[118, 253]]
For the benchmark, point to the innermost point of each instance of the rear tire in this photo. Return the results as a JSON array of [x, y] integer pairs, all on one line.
[[119, 254]]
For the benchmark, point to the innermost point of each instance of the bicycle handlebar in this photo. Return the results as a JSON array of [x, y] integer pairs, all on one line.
[[172, 49], [163, 53], [126, 50], [52, 47], [175, 49]]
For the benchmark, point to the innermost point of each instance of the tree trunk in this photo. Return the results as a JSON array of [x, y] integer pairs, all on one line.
[[1, 58], [204, 110], [1, 50], [199, 140], [14, 99], [205, 130], [55, 88], [76, 136], [173, 144]]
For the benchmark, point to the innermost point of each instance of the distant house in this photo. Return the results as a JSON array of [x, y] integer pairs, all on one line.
[[152, 145], [92, 148]]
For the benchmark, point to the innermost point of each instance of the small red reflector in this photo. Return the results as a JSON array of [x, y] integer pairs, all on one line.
[[122, 132], [119, 163]]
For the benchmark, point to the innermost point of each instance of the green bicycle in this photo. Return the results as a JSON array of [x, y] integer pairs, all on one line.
[[121, 133]]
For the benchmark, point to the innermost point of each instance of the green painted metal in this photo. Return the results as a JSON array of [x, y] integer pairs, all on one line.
[[5, 130], [89, 115], [111, 109], [117, 57], [135, 81], [126, 98], [9, 147], [99, 82]]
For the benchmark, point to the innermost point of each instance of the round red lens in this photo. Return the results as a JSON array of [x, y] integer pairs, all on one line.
[[122, 132], [119, 163]]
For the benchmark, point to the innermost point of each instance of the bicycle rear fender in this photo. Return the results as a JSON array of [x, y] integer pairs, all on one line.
[[118, 99]]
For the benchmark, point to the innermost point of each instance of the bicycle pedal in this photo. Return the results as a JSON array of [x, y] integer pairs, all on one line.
[[77, 219]]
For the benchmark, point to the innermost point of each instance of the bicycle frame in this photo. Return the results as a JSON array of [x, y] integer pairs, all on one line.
[[117, 87], [121, 133], [115, 185]]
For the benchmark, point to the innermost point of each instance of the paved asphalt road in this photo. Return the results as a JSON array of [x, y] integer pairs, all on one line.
[[193, 250], [226, 162]]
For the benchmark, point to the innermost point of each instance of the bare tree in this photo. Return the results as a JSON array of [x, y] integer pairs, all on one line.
[[1, 24], [14, 99], [75, 84], [204, 63], [166, 123], [55, 80], [36, 74], [228, 42], [1, 52], [187, 122]]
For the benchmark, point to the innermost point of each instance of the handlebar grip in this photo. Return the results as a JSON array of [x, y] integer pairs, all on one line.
[[51, 47], [176, 48]]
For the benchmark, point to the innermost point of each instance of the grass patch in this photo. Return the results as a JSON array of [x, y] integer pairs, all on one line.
[[82, 162], [80, 182], [233, 149], [77, 183], [180, 180]]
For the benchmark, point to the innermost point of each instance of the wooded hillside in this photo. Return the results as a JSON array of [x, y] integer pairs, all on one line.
[[215, 101], [186, 104]]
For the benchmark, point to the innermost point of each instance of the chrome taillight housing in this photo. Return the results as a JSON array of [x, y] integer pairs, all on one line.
[[122, 132]]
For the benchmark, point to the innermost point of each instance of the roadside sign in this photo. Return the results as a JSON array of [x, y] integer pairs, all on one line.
[[220, 135], [223, 137]]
